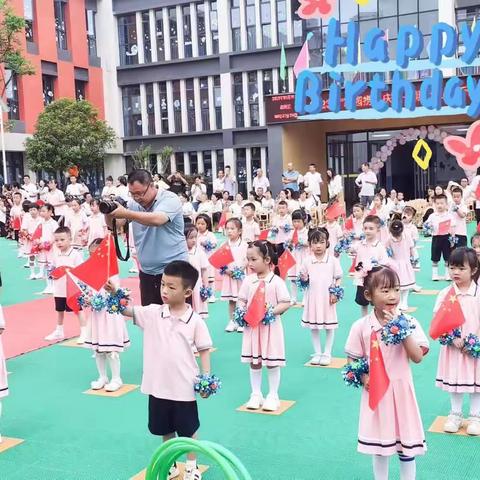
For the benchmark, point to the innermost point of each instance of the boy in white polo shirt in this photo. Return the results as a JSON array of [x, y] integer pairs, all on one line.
[[170, 331]]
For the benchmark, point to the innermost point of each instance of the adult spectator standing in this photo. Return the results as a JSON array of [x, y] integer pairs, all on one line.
[[160, 183], [30, 189], [177, 183], [260, 183], [197, 190], [335, 186], [313, 181], [229, 182], [42, 190], [56, 198], [109, 190], [290, 178], [157, 222], [367, 181], [219, 184], [121, 189], [75, 189]]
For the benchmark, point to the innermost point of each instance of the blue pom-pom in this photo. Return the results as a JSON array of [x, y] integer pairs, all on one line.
[[397, 330], [415, 262], [238, 273], [472, 345], [455, 208], [337, 291], [448, 338], [390, 252], [205, 293], [302, 284], [273, 232], [269, 317], [453, 239], [427, 229], [223, 270], [343, 245], [207, 385], [208, 245], [287, 227], [352, 372], [238, 316]]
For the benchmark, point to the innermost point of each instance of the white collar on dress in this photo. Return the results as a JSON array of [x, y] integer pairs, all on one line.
[[185, 318]]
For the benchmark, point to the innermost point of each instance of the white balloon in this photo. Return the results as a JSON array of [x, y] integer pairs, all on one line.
[[402, 141], [378, 154], [423, 128], [389, 143], [384, 157], [417, 132], [382, 164], [384, 148]]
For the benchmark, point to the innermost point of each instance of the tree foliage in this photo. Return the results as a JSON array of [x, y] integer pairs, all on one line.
[[68, 133], [141, 157]]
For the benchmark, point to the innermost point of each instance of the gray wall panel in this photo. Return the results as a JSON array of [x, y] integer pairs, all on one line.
[[127, 6], [275, 157], [260, 59], [253, 137]]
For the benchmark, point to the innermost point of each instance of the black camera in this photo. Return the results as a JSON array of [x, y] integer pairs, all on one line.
[[108, 206]]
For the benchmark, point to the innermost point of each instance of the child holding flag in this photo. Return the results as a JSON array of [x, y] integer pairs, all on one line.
[[263, 297], [45, 245], [456, 316], [30, 225], [207, 240], [386, 341]]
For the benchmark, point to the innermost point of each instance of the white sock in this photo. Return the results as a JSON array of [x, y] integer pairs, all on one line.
[[256, 380], [191, 464], [273, 381], [317, 347], [404, 298], [408, 469], [114, 362], [434, 269], [294, 291], [380, 467], [475, 404], [456, 400], [100, 360], [41, 270], [330, 335], [59, 329], [447, 273]]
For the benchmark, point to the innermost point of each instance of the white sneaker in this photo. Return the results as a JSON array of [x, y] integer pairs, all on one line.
[[192, 474], [39, 276], [82, 337], [27, 265], [212, 299], [133, 270], [56, 335], [271, 403], [316, 357], [473, 427], [453, 423], [32, 276], [325, 360], [436, 277], [174, 472], [417, 288], [114, 385], [47, 291], [255, 402], [231, 326], [98, 384], [240, 329]]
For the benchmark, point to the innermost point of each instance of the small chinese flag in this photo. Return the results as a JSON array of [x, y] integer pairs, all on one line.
[[222, 257], [448, 317], [354, 264], [373, 211], [101, 265], [334, 211], [59, 272], [295, 238], [223, 220], [264, 234], [16, 223], [73, 294], [349, 223], [257, 308], [37, 234], [379, 380], [444, 227], [285, 263]]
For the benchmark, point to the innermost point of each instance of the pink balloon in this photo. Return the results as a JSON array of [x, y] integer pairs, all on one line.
[[384, 156], [402, 141], [382, 164], [423, 128], [384, 148], [378, 154], [389, 143], [430, 128]]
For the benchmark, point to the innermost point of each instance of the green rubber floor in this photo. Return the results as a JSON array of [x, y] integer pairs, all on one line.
[[72, 436]]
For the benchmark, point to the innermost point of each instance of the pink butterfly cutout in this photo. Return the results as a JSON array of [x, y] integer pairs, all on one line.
[[315, 8], [466, 150]]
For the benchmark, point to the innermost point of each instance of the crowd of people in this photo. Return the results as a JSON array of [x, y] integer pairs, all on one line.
[[187, 247]]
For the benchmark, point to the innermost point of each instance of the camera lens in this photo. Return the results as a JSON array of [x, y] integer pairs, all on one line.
[[107, 206]]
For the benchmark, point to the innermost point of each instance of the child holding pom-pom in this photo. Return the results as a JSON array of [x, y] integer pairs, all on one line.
[[264, 297], [208, 242], [458, 371], [299, 246], [390, 422], [323, 272]]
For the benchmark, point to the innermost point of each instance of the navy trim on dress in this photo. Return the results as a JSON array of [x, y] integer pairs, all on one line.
[[398, 442]]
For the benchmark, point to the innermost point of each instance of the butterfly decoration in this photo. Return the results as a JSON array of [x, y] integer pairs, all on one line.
[[466, 150]]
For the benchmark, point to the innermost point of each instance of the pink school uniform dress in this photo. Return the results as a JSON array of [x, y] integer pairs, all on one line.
[[335, 233], [401, 252], [383, 215], [198, 259], [96, 227], [369, 255], [458, 372], [300, 253], [202, 239], [78, 224], [45, 256], [231, 286], [250, 230], [3, 366], [29, 226], [285, 229], [106, 332], [264, 344], [322, 274], [395, 426]]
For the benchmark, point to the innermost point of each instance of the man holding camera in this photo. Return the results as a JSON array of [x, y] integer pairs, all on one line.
[[157, 222]]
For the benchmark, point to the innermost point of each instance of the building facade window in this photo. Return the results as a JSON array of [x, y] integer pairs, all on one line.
[[60, 10], [251, 25], [207, 170], [172, 23], [266, 21], [255, 160], [80, 87], [150, 108], [190, 93], [147, 42], [132, 111], [162, 88], [253, 99], [202, 34], [160, 35], [127, 40], [282, 21], [217, 97], [177, 106], [469, 15], [220, 160], [179, 162], [204, 103], [267, 82], [91, 34], [235, 24], [28, 15], [187, 31], [48, 85], [11, 93], [238, 99], [241, 157], [214, 26], [193, 161]]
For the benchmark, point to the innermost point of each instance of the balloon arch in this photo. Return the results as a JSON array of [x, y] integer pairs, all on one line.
[[377, 162]]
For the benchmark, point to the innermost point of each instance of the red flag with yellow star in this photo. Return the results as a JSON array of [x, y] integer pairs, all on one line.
[[222, 257], [379, 381], [348, 223], [334, 211], [295, 238], [257, 308], [448, 317], [285, 262]]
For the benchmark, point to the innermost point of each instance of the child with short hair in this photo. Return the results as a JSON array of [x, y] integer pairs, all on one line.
[[30, 224], [358, 215], [64, 256], [207, 240], [282, 226], [381, 211], [16, 215], [459, 211], [298, 244], [236, 206], [97, 226], [169, 366], [250, 227], [335, 233], [475, 243], [77, 222]]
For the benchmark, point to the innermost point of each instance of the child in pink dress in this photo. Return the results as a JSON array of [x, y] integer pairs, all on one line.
[[401, 248], [208, 241], [16, 214], [335, 234], [97, 227], [30, 223], [197, 258], [46, 245], [250, 227], [107, 336], [459, 373], [394, 426], [230, 285], [322, 270], [358, 215], [264, 345], [3, 367], [382, 212], [77, 222], [299, 246]]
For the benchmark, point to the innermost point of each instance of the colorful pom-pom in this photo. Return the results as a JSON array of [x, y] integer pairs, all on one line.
[[472, 345], [390, 252], [205, 293], [223, 270], [352, 372], [453, 239], [287, 228], [269, 317], [343, 245], [207, 385], [397, 330], [337, 291], [427, 229], [448, 338], [238, 273], [238, 316], [208, 245], [415, 262], [273, 232], [302, 284]]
